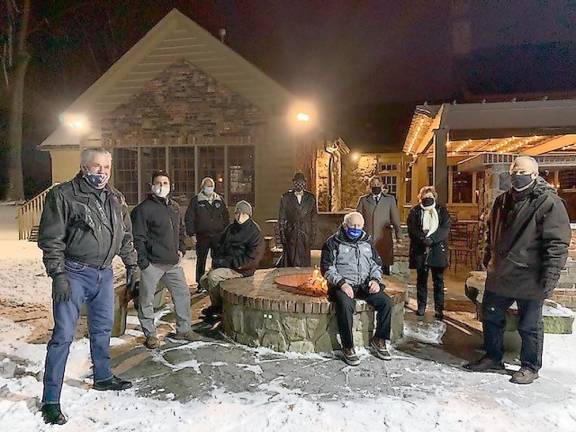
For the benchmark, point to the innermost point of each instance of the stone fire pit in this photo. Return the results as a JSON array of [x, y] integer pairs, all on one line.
[[259, 312]]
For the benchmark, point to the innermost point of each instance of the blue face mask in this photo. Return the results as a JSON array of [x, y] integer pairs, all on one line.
[[97, 181], [353, 233], [208, 190]]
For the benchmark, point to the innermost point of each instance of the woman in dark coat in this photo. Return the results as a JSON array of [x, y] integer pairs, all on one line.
[[297, 224], [428, 229]]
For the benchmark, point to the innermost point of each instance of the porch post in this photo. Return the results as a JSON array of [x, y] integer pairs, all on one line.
[[441, 164]]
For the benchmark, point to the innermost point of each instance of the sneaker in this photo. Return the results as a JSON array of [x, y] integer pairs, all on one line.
[[485, 364], [379, 347], [189, 336], [113, 383], [350, 357], [524, 376], [152, 342], [52, 414]]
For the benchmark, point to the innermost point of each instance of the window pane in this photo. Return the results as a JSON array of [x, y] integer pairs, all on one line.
[[153, 159], [182, 172], [241, 174], [461, 187], [211, 164], [567, 179], [430, 176], [126, 173], [391, 183], [408, 182]]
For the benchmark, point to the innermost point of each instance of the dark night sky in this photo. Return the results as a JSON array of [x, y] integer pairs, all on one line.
[[366, 61]]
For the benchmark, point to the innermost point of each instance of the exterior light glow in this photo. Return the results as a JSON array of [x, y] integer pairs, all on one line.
[[76, 123], [303, 117]]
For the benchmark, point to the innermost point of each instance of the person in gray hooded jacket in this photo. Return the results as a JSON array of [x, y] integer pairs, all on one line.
[[353, 270]]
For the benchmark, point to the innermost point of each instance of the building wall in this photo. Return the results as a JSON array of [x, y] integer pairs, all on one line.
[[65, 164]]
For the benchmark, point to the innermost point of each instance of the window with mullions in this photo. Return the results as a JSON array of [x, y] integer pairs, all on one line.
[[211, 164], [183, 172], [241, 185], [126, 173], [153, 159], [391, 183], [461, 187]]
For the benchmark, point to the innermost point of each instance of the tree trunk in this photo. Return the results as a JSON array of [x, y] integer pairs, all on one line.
[[16, 110]]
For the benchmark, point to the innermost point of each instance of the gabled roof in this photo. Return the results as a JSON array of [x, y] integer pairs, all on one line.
[[174, 38]]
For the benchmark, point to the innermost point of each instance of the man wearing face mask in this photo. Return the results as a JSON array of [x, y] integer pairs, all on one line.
[[381, 215], [297, 223], [159, 239], [206, 218], [240, 250], [526, 249], [85, 223], [351, 266]]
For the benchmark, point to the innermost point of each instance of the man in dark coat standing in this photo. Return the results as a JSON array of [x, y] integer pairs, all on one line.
[[85, 223], [527, 247], [297, 223], [381, 215], [206, 218]]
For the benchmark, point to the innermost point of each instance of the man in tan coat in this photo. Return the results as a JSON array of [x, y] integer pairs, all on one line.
[[381, 216]]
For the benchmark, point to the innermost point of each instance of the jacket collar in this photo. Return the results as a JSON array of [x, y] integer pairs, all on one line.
[[203, 197]]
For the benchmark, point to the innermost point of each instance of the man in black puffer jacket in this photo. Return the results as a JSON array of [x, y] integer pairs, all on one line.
[[239, 251], [159, 239], [526, 248]]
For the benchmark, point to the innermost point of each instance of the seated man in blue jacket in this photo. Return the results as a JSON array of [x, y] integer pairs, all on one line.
[[353, 270]]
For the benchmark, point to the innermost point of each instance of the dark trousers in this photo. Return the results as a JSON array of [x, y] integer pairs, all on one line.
[[530, 327], [93, 287], [345, 312], [204, 243], [422, 287]]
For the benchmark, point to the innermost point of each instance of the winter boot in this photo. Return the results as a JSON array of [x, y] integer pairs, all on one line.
[[152, 342], [52, 414], [189, 336], [113, 383], [380, 350], [350, 357], [421, 310], [485, 364], [524, 376]]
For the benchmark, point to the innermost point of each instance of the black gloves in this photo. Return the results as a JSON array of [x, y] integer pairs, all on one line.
[[60, 288], [428, 241], [132, 278]]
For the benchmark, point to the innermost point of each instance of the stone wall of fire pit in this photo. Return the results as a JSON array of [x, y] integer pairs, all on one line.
[[257, 312]]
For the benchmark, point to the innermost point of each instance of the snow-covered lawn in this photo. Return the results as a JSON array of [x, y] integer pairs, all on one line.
[[437, 396]]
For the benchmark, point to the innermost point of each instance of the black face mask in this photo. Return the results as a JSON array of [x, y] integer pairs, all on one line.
[[428, 201], [520, 181], [376, 190]]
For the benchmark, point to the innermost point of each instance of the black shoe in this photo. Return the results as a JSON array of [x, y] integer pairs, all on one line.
[[211, 311], [350, 357], [524, 376], [421, 310], [52, 415], [439, 315], [485, 364], [113, 383]]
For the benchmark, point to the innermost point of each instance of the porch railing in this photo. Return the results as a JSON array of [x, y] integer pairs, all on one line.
[[29, 215]]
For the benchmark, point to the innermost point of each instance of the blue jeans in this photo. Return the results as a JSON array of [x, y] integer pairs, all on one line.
[[93, 287]]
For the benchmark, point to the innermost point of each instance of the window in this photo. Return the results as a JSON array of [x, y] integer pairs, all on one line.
[[241, 174], [211, 164], [153, 159], [388, 167], [430, 176], [126, 173], [182, 172], [408, 184], [461, 187], [567, 179], [391, 183]]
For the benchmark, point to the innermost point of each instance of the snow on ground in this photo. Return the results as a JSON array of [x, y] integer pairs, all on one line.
[[445, 406]]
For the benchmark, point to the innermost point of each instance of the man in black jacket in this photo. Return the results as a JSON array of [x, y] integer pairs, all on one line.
[[206, 218], [84, 225], [159, 239], [240, 249], [526, 248]]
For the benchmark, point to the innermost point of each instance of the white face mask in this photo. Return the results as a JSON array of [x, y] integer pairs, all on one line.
[[208, 190], [161, 191]]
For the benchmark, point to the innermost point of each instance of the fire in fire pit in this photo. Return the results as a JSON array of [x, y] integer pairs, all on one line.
[[313, 285]]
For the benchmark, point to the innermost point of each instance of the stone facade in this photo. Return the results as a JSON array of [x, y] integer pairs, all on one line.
[[182, 102], [355, 179], [322, 182]]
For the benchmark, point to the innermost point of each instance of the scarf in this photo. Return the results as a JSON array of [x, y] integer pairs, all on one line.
[[429, 219], [210, 198]]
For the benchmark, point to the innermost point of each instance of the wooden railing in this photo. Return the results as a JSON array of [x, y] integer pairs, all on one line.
[[29, 214]]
